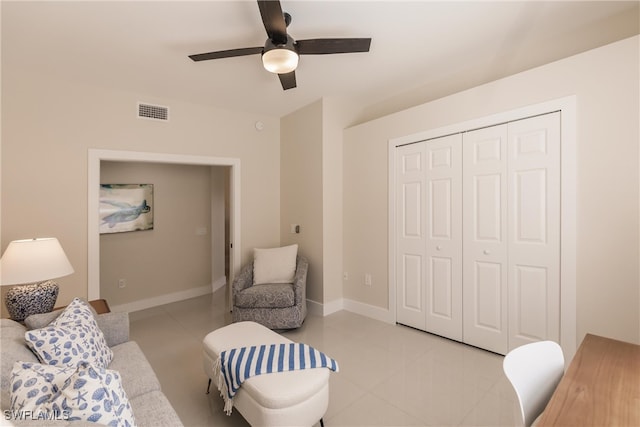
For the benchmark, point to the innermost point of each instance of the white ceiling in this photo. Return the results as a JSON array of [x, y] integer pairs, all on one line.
[[421, 50]]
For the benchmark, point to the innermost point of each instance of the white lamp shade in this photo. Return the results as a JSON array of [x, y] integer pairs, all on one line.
[[33, 260], [280, 60]]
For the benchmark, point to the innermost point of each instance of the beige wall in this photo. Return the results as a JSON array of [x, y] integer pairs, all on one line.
[[172, 257], [311, 184], [365, 221], [48, 126], [605, 82], [301, 190], [336, 116]]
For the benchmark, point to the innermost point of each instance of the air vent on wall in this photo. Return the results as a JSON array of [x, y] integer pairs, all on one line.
[[153, 112]]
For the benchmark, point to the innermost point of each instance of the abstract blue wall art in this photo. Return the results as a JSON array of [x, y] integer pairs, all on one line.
[[126, 207]]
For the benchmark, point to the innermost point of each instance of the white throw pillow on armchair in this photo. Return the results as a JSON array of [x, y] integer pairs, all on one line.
[[274, 265]]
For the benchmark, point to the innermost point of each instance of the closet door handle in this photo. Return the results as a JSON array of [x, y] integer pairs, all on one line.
[[486, 252], [438, 248]]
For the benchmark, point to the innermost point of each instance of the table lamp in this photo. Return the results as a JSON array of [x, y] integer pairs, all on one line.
[[32, 263]]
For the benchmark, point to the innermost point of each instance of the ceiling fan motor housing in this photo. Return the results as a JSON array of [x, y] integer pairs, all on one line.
[[280, 58]]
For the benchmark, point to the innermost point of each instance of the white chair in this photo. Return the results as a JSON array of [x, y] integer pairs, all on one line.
[[534, 371]]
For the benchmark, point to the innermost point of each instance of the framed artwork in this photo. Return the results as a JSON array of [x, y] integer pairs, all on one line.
[[126, 207]]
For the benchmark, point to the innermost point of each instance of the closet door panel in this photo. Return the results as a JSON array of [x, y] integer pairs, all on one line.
[[487, 207], [485, 277], [410, 235], [534, 229], [478, 234], [444, 236]]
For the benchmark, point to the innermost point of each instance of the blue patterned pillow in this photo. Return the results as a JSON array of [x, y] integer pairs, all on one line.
[[77, 311], [72, 338], [33, 385], [87, 393]]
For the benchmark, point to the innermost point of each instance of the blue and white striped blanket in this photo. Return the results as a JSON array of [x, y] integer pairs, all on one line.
[[236, 365]]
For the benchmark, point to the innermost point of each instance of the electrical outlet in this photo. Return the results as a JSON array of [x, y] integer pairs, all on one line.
[[367, 279], [122, 283]]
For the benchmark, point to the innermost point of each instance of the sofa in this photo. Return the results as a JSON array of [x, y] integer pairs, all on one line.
[[149, 405]]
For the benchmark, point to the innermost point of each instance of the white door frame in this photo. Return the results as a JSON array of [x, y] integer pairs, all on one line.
[[95, 157], [568, 131]]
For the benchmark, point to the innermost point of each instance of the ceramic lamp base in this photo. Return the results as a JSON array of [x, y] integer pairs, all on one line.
[[23, 301]]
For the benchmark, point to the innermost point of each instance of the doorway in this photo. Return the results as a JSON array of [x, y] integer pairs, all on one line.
[[93, 240]]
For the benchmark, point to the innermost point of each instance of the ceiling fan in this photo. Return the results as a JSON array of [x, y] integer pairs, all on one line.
[[280, 52]]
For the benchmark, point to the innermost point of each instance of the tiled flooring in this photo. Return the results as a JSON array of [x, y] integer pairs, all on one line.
[[389, 375]]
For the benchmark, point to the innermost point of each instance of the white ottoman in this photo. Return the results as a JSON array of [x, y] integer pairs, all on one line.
[[295, 398]]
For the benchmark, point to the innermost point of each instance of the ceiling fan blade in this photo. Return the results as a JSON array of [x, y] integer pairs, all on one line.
[[226, 53], [273, 20], [328, 46], [288, 80]]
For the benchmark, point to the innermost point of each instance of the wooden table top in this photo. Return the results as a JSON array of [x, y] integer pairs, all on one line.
[[99, 305], [601, 386]]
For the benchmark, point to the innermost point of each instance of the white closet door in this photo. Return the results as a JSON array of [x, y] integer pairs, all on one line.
[[485, 238], [534, 229], [444, 236], [410, 235]]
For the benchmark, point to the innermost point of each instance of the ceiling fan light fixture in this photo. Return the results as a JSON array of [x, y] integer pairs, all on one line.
[[281, 58]]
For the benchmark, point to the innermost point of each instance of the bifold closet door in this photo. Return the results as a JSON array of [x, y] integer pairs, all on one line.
[[534, 229], [444, 236], [511, 223], [478, 234], [485, 238], [410, 235], [429, 236]]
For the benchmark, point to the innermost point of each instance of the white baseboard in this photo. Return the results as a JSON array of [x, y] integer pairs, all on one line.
[[319, 309], [378, 313], [221, 282], [363, 309], [333, 306], [314, 307], [162, 299]]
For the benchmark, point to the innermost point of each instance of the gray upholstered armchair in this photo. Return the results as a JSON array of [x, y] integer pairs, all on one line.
[[275, 305]]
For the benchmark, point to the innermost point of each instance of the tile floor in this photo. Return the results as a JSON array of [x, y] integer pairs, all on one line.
[[390, 375]]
